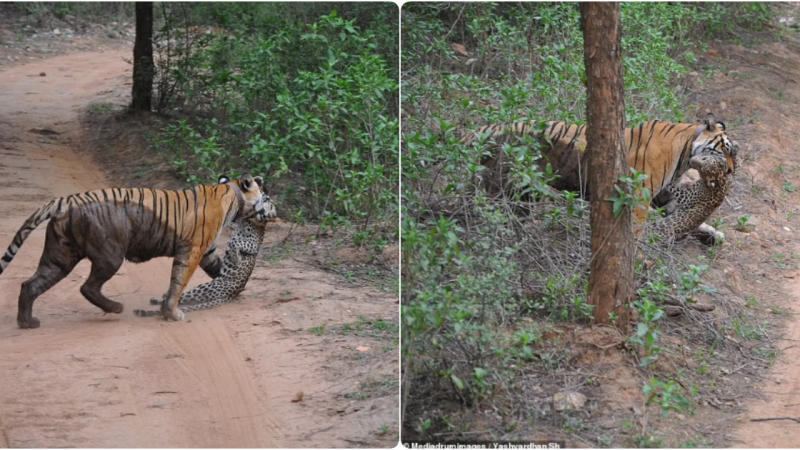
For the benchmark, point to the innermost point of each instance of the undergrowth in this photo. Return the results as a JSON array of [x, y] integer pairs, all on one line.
[[307, 96]]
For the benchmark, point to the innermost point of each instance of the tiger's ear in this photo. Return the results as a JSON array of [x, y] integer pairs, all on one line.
[[259, 181], [223, 179], [247, 181], [711, 123]]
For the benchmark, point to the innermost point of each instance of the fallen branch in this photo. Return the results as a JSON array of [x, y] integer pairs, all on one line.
[[695, 306], [775, 418]]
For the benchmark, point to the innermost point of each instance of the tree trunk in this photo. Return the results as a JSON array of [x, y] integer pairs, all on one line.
[[611, 280], [143, 67]]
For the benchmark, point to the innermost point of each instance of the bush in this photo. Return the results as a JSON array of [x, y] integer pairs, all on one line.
[[482, 277], [313, 106]]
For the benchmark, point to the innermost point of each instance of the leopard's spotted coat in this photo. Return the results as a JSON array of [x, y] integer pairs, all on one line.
[[236, 268], [693, 198]]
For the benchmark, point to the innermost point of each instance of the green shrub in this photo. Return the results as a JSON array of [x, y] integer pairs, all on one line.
[[312, 106]]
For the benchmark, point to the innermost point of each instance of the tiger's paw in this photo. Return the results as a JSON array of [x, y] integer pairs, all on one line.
[[173, 315], [28, 323], [114, 308]]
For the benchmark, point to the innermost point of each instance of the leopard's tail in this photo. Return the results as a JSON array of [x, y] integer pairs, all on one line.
[[186, 307], [146, 312]]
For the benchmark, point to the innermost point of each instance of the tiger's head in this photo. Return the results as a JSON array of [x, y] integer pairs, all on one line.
[[256, 203], [711, 139]]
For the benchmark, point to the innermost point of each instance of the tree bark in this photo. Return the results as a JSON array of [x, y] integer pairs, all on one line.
[[611, 278], [143, 66]]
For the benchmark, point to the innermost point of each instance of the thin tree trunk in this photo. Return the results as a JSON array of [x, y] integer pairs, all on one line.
[[143, 67], [611, 281]]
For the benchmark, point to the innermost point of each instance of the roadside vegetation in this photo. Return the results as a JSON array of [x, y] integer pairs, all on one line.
[[305, 94]]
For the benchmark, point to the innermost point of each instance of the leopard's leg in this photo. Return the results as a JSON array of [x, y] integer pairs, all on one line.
[[146, 312], [708, 235], [235, 258], [670, 227], [201, 293]]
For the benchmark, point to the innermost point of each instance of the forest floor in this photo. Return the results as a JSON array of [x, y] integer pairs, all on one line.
[[317, 317], [755, 88]]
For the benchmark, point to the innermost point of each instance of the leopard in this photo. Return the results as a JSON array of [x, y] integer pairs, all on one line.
[[236, 267], [690, 201]]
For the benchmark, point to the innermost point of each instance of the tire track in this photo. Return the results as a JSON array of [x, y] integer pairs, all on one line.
[[213, 367]]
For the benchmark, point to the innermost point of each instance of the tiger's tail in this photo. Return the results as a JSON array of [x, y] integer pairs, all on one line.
[[47, 211]]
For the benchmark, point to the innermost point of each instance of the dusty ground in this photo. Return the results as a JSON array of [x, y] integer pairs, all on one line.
[[26, 38], [223, 378]]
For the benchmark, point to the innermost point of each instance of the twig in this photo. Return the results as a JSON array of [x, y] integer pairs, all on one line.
[[454, 23], [317, 431], [775, 418]]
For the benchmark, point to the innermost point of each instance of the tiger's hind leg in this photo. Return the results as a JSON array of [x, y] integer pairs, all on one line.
[[57, 261], [103, 268]]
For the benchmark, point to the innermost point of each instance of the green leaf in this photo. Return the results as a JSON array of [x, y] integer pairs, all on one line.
[[457, 381]]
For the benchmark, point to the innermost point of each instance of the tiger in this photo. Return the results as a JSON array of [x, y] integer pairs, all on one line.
[[661, 150], [108, 226], [237, 266]]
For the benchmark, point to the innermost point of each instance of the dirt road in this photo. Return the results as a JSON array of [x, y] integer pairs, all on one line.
[[781, 393], [763, 91], [222, 378]]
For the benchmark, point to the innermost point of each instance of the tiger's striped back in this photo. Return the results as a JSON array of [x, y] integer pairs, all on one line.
[[661, 150], [164, 219]]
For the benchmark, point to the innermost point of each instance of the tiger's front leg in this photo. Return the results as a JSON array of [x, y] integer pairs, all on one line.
[[183, 268]]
